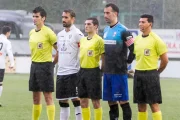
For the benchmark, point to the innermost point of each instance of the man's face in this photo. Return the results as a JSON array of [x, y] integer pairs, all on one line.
[[144, 24], [109, 15], [90, 27], [37, 19], [67, 20]]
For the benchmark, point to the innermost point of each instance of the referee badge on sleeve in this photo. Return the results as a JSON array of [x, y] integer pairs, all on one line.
[[40, 45], [90, 53], [147, 52]]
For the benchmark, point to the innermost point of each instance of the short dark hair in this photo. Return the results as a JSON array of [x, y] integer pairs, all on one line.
[[5, 29], [149, 17], [113, 6], [40, 10], [71, 12], [94, 21]]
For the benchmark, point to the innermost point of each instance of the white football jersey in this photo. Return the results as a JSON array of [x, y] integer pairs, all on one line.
[[5, 48], [68, 51]]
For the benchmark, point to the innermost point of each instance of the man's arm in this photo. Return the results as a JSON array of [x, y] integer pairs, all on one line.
[[131, 55], [129, 41], [78, 36], [10, 55], [163, 63], [56, 56], [102, 62], [55, 46]]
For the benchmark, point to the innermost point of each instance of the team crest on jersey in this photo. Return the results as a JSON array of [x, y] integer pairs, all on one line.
[[64, 48], [70, 36], [147, 52], [40, 45], [90, 53], [105, 35], [114, 34]]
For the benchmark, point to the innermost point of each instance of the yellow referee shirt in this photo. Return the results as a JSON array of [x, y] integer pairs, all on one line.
[[41, 44], [147, 51], [90, 51]]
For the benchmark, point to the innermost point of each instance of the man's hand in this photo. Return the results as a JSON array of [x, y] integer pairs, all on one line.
[[128, 65], [11, 67], [164, 62]]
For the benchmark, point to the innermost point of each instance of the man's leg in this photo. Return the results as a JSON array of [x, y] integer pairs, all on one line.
[[97, 109], [127, 113], [78, 110], [62, 92], [35, 88], [1, 89], [154, 92], [157, 115], [142, 114], [37, 107], [114, 110], [121, 83], [64, 109], [1, 81], [85, 109], [140, 95], [50, 105], [107, 96]]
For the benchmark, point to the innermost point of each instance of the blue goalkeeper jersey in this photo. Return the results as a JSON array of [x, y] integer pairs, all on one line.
[[115, 50]]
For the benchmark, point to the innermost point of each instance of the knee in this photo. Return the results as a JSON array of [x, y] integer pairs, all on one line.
[[142, 107], [112, 103], [96, 104], [36, 99], [155, 107], [48, 99], [84, 103], [123, 102]]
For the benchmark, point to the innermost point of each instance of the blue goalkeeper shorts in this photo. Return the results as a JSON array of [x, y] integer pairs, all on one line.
[[115, 87]]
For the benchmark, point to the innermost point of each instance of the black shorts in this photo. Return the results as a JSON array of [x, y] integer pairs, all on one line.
[[90, 83], [41, 77], [1, 75], [147, 88], [66, 86]]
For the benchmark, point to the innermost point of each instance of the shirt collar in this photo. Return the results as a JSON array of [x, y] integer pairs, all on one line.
[[72, 27], [92, 36], [40, 29], [114, 25]]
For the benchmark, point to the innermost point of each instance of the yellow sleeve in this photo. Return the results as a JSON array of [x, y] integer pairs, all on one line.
[[101, 46], [161, 47], [52, 37], [135, 40], [80, 41]]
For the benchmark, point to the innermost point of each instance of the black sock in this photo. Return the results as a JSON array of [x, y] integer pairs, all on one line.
[[114, 112], [127, 113]]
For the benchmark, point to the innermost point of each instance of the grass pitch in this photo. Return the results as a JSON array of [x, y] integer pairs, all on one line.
[[17, 100]]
